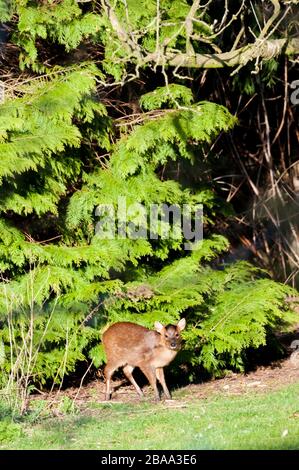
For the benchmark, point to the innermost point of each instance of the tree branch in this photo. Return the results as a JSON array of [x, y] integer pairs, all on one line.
[[265, 49], [271, 20], [262, 48], [131, 46]]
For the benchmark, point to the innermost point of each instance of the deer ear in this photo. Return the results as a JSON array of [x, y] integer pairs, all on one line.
[[181, 325], [158, 326]]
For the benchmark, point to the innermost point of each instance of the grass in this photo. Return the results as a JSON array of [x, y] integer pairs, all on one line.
[[252, 421]]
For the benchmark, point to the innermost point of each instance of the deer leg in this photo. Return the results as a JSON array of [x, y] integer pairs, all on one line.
[[150, 374], [161, 378], [108, 372], [128, 373]]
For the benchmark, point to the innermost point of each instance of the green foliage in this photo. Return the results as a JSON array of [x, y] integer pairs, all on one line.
[[171, 136], [250, 83], [34, 135], [69, 24], [97, 355], [67, 406], [57, 339], [228, 311], [39, 138], [172, 95], [9, 431], [61, 22], [238, 319], [77, 271], [6, 8]]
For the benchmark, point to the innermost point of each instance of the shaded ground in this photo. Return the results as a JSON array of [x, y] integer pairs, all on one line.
[[264, 379]]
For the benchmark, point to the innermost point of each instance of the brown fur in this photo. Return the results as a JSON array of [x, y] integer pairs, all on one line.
[[129, 345]]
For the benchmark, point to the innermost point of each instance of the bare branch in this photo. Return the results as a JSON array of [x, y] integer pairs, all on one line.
[[271, 19], [189, 24], [131, 46], [262, 49], [259, 49]]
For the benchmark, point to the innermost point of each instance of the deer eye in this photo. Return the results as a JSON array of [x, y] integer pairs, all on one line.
[[177, 336], [166, 335]]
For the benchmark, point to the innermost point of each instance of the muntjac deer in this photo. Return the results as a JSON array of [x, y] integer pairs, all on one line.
[[129, 345]]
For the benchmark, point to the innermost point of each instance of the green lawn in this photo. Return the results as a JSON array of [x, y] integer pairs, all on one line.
[[252, 421]]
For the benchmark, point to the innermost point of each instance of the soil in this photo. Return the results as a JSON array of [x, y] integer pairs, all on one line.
[[263, 379]]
